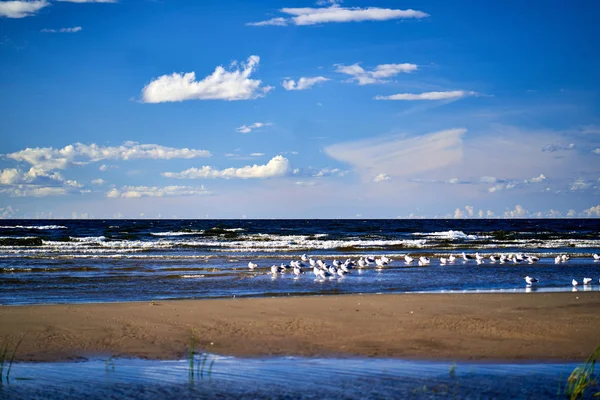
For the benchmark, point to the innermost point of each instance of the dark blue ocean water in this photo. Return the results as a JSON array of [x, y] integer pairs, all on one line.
[[59, 261]]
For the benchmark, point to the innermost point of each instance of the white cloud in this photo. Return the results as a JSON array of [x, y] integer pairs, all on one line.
[[36, 182], [302, 83], [50, 158], [571, 213], [63, 30], [257, 154], [328, 2], [98, 181], [335, 13], [458, 213], [381, 178], [276, 167], [551, 148], [579, 184], [251, 127], [305, 183], [21, 9], [89, 1], [7, 212], [537, 179], [469, 210], [220, 85], [377, 75], [592, 211], [133, 192], [596, 151], [518, 212], [488, 179], [401, 156], [452, 95]]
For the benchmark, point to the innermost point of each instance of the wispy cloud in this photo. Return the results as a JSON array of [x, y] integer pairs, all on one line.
[[251, 127], [276, 167], [302, 83], [21, 9], [376, 75], [551, 148], [136, 192], [381, 178], [63, 30], [50, 158], [222, 84], [451, 95], [88, 1], [335, 13]]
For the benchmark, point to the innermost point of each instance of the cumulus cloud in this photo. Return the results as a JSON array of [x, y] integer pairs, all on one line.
[[377, 75], [592, 211], [98, 181], [596, 151], [135, 192], [21, 9], [537, 179], [335, 13], [251, 127], [518, 212], [36, 182], [50, 158], [222, 84], [451, 95], [302, 83], [276, 167], [382, 178], [7, 212], [63, 30]]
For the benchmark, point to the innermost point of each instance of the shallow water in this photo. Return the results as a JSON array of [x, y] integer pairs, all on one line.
[[100, 261], [284, 378]]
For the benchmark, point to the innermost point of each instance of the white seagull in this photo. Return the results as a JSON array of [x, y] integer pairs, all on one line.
[[408, 259], [252, 265], [451, 258], [587, 281], [424, 260], [574, 282], [466, 257], [596, 257], [557, 260], [530, 281], [443, 260]]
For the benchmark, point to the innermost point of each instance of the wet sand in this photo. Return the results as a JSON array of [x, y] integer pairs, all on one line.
[[498, 327]]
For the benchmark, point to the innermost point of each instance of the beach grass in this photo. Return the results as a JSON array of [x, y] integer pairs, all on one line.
[[5, 361], [583, 378]]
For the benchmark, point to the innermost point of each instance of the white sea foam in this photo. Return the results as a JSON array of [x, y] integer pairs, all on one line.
[[39, 227], [234, 229], [88, 239], [450, 235], [193, 276], [177, 233]]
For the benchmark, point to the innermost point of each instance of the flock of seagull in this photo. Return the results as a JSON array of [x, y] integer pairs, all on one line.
[[322, 270]]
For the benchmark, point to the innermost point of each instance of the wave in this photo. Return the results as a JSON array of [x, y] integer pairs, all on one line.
[[38, 227], [450, 235], [177, 233]]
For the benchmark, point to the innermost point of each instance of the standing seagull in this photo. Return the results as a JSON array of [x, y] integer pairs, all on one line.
[[587, 281], [530, 281], [596, 257], [408, 259], [252, 265], [574, 282], [466, 257]]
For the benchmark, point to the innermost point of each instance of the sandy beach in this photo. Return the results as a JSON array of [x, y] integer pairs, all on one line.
[[537, 326]]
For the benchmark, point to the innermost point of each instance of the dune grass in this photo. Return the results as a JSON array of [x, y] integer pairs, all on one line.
[[5, 361], [583, 378], [197, 366]]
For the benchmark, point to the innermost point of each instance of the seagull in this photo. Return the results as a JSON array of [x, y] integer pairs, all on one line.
[[370, 258], [532, 259], [466, 257], [587, 281], [341, 272], [298, 270], [493, 258], [312, 262], [557, 260], [443, 260], [574, 282], [596, 257], [530, 281], [361, 263], [451, 258], [386, 259], [252, 265], [304, 258], [565, 257], [380, 263], [424, 260], [478, 256], [408, 259], [275, 269]]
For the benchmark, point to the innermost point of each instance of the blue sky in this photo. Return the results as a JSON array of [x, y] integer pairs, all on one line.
[[299, 109]]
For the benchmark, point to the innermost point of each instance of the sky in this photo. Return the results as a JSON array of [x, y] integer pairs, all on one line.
[[299, 109]]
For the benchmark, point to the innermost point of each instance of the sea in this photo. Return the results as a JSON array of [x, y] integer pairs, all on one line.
[[89, 261]]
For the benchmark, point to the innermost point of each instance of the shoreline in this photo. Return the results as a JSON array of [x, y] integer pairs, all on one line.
[[432, 327]]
